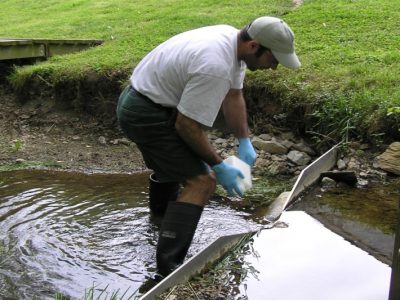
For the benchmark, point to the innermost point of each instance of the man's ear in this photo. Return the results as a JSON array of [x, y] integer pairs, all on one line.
[[253, 46], [247, 47]]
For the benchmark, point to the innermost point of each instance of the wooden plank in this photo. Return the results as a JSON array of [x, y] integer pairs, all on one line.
[[22, 51], [15, 41], [59, 49], [16, 48]]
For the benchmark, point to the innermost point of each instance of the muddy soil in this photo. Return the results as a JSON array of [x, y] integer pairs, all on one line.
[[41, 134]]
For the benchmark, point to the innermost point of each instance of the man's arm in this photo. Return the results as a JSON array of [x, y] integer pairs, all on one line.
[[235, 113], [193, 134]]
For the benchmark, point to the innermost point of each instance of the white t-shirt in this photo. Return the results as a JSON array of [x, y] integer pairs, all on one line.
[[192, 71]]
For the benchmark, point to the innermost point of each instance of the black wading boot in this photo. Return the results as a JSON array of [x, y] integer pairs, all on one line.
[[160, 193], [176, 234], [148, 285]]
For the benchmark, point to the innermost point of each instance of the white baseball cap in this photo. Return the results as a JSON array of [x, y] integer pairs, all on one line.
[[274, 34]]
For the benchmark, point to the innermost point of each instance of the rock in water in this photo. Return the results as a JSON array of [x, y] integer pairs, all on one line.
[[348, 177], [389, 161]]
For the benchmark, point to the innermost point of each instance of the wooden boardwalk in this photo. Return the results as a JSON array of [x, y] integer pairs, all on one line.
[[11, 48]]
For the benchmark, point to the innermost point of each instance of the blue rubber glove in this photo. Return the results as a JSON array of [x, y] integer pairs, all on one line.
[[227, 176], [246, 151]]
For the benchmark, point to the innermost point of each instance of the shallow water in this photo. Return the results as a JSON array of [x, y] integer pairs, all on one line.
[[331, 244], [365, 216], [66, 232], [308, 261]]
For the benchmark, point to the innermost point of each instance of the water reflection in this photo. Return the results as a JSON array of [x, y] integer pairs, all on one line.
[[305, 260], [366, 216], [67, 232]]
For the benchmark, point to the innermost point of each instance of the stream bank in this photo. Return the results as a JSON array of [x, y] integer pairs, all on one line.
[[43, 133]]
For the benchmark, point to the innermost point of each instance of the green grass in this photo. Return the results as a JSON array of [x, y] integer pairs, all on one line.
[[219, 280], [350, 75], [96, 293], [350, 52], [129, 28]]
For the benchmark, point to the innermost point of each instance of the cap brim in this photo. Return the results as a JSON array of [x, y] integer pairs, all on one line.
[[288, 60]]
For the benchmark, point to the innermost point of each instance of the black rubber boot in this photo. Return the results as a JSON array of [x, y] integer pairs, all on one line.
[[149, 284], [176, 234], [160, 193]]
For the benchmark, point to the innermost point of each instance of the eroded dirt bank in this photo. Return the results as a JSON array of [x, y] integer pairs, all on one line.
[[40, 131], [71, 124], [73, 127]]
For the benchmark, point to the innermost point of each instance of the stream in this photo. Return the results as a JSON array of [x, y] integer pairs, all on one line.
[[69, 233], [367, 217]]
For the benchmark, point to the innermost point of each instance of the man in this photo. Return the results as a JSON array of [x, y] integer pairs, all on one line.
[[176, 91]]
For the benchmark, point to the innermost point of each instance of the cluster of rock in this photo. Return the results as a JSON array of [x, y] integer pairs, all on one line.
[[285, 154], [355, 171], [277, 154], [282, 153]]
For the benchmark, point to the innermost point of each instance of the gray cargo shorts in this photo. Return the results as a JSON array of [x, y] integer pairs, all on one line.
[[152, 128]]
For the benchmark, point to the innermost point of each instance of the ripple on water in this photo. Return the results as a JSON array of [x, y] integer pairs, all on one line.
[[65, 232]]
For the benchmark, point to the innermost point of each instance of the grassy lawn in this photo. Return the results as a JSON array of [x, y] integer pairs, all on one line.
[[350, 75], [129, 28]]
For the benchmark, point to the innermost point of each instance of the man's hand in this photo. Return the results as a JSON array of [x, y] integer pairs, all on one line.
[[246, 151], [227, 176]]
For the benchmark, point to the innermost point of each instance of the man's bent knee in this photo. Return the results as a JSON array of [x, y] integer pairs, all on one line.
[[199, 189], [209, 183]]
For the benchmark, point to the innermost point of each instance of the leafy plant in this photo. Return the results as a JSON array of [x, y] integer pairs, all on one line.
[[17, 145], [393, 110], [220, 279], [95, 293]]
